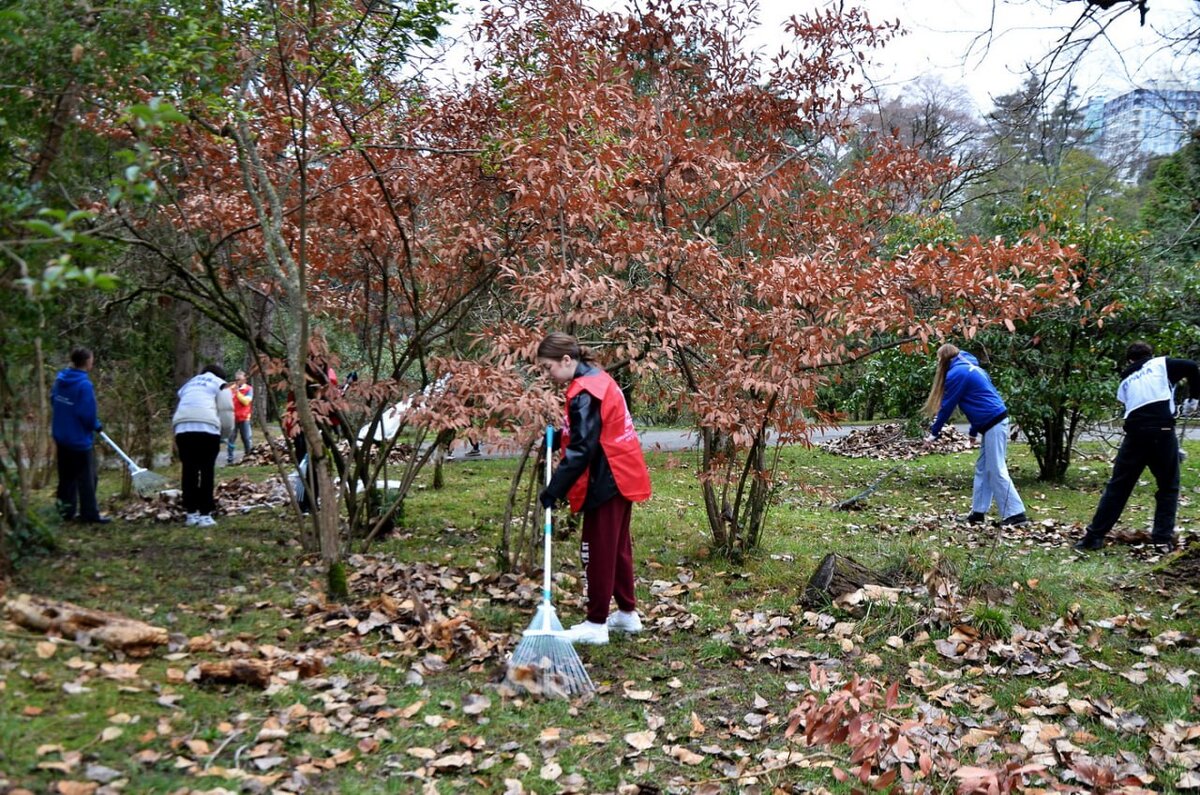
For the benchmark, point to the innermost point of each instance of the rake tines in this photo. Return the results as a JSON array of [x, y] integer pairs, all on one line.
[[545, 663], [145, 482]]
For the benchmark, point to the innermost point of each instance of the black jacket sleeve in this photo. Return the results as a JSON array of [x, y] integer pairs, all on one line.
[[584, 415], [1184, 370]]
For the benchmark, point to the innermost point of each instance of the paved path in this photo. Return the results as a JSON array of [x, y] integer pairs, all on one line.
[[677, 440]]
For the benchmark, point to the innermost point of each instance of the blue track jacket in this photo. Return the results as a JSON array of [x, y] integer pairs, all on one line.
[[968, 387], [73, 402]]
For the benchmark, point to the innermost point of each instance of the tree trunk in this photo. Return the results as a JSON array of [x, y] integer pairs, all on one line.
[[64, 109], [210, 342], [42, 450], [185, 352]]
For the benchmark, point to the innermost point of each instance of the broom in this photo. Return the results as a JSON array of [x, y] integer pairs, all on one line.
[[544, 662], [145, 482]]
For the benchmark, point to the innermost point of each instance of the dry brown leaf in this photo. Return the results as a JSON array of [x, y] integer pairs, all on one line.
[[453, 761], [198, 747], [685, 755], [641, 740], [76, 787], [45, 649], [637, 695], [475, 703], [698, 728], [1137, 677]]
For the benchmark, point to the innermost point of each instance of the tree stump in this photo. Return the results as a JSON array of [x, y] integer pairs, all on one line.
[[837, 575]]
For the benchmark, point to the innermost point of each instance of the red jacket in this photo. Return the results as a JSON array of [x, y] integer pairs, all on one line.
[[243, 397], [618, 440]]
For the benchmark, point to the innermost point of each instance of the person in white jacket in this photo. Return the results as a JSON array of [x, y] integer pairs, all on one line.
[[203, 418]]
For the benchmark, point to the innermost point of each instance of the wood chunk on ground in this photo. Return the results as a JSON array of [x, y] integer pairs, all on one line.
[[135, 638]]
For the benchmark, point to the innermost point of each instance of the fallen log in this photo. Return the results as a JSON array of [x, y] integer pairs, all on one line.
[[837, 575], [135, 638], [256, 673]]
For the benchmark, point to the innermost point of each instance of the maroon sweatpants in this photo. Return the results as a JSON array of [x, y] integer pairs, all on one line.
[[607, 555]]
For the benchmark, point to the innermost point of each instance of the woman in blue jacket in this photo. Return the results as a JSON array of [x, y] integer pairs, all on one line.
[[73, 407], [960, 382]]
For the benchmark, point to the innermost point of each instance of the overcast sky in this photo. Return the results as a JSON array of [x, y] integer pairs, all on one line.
[[950, 39]]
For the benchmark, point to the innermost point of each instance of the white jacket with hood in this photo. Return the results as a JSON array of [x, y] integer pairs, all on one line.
[[205, 405]]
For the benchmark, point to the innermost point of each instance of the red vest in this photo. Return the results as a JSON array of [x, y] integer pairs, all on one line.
[[618, 439], [241, 411]]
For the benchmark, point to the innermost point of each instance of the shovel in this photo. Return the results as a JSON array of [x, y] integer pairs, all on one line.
[[145, 482]]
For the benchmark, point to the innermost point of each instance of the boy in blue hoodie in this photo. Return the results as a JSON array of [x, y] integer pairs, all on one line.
[[959, 382], [73, 405]]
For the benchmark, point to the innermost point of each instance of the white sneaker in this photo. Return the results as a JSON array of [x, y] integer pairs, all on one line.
[[625, 622], [587, 632], [204, 520], [192, 520]]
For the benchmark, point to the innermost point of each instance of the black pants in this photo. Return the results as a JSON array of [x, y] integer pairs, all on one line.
[[1158, 449], [198, 456], [77, 484]]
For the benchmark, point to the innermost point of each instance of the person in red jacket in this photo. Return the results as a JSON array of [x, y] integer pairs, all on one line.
[[602, 473], [243, 407]]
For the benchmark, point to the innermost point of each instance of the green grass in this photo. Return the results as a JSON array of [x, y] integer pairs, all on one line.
[[241, 581]]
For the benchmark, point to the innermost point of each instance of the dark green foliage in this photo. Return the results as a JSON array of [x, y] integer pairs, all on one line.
[[1053, 369], [1171, 207]]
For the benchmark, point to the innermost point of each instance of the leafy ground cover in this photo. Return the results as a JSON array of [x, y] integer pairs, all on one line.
[[995, 661]]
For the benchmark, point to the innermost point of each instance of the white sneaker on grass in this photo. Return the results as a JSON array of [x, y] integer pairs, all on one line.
[[629, 622], [587, 632], [192, 519], [204, 520]]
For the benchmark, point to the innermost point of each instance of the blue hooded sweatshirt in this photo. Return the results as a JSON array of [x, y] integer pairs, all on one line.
[[73, 402], [968, 387]]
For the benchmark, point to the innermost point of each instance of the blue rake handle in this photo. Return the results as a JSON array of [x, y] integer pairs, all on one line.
[[547, 529]]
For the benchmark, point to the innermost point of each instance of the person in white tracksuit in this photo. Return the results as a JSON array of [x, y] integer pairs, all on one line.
[[1148, 392]]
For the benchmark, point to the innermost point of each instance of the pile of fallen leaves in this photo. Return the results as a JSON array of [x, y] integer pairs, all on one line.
[[416, 614], [262, 455], [235, 495], [888, 442]]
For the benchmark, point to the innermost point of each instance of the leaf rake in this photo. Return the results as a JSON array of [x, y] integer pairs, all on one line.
[[543, 662], [145, 482]]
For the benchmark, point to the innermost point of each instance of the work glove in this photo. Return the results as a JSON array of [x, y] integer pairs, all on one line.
[[1190, 406], [547, 499]]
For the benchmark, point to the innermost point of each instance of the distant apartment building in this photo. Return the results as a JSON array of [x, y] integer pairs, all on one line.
[[1142, 123]]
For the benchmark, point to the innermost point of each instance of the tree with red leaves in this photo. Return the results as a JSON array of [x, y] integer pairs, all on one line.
[[681, 203]]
